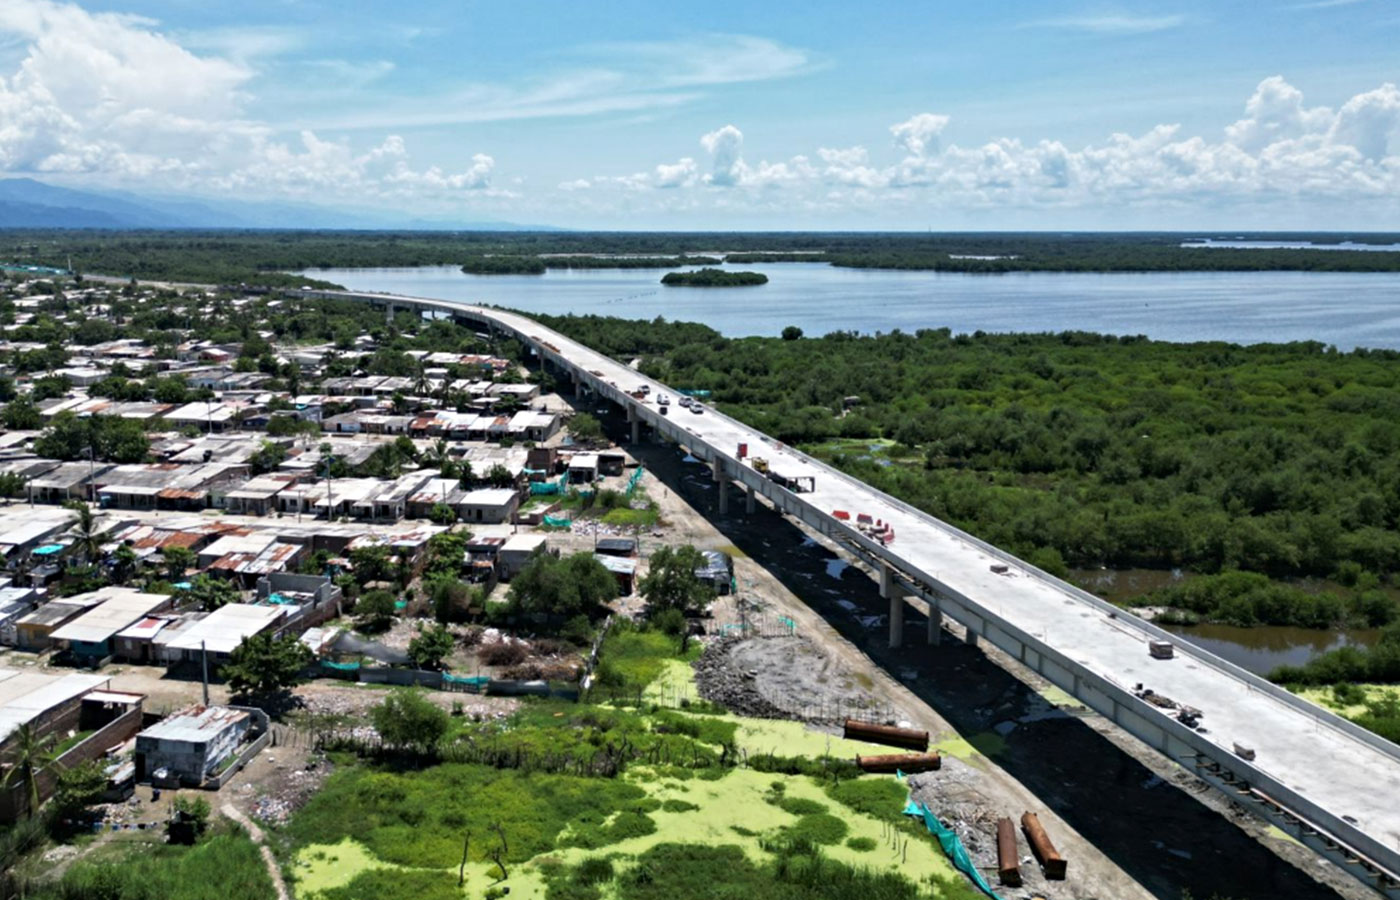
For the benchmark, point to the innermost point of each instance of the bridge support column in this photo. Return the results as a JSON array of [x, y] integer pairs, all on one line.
[[970, 636], [749, 504], [722, 483], [935, 624], [636, 423], [896, 616]]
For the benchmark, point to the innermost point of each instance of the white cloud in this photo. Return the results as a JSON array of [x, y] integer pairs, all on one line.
[[678, 174], [1113, 24], [725, 146], [919, 133], [1281, 150], [107, 94]]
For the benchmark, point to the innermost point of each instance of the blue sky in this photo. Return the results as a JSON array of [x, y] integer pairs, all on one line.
[[724, 115]]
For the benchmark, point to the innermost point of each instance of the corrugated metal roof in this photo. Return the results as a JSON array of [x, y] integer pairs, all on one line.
[[121, 608], [196, 725]]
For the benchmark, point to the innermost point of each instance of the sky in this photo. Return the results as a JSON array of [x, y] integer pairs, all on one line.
[[1266, 114]]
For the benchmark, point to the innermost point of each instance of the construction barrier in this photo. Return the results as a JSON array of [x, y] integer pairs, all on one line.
[[952, 846], [548, 487]]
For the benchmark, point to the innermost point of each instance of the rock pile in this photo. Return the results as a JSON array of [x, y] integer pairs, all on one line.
[[718, 680]]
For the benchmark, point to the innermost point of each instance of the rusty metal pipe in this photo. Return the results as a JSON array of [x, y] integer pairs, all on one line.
[[900, 762], [1008, 859], [871, 733], [1050, 859]]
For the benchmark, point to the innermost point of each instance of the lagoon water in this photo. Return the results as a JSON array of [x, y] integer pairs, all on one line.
[[1344, 309]]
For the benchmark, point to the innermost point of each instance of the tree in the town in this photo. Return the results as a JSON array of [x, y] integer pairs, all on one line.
[[374, 612], [371, 563], [409, 721], [585, 428], [78, 787], [178, 561], [88, 537], [671, 582], [431, 646], [211, 593], [563, 587], [28, 753], [264, 665]]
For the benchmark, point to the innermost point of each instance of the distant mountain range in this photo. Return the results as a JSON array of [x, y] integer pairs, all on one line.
[[26, 203]]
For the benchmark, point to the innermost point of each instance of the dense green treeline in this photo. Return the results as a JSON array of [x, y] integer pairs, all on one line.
[[1079, 449], [262, 257], [713, 278]]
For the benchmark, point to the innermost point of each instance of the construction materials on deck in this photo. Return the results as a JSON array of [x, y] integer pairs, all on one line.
[[1050, 859], [871, 733], [1161, 649], [1008, 859], [908, 763]]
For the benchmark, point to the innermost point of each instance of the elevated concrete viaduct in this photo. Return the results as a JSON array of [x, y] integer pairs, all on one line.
[[1330, 784]]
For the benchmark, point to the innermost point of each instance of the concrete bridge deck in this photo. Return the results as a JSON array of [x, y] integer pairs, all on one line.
[[1327, 782]]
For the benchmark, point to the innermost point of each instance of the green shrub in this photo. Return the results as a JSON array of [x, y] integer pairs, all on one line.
[[861, 844], [800, 806], [820, 828], [678, 806]]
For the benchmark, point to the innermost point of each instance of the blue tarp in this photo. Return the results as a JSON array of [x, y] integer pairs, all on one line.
[[952, 845], [48, 550]]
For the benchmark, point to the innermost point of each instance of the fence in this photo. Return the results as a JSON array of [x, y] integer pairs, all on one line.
[[14, 801]]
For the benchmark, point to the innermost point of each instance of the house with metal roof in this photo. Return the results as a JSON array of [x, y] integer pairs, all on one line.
[[89, 636], [488, 505], [189, 747], [66, 481], [32, 630], [220, 632]]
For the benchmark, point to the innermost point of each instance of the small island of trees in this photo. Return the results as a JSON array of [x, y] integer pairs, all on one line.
[[713, 278]]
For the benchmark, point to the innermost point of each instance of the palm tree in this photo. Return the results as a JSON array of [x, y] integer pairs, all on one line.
[[327, 457], [421, 385], [29, 753], [89, 542]]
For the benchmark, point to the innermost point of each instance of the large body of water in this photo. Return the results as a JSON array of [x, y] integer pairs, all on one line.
[[1345, 309]]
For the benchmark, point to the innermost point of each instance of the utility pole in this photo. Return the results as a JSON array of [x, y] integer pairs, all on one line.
[[204, 662]]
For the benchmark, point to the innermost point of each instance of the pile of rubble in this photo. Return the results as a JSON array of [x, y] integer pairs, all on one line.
[[290, 793], [718, 680]]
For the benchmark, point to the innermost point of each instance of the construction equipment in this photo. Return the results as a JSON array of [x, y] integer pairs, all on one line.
[[760, 464]]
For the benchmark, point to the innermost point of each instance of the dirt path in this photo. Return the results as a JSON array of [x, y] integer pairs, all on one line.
[[273, 870]]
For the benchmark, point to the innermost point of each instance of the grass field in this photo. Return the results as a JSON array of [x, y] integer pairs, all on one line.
[[225, 866]]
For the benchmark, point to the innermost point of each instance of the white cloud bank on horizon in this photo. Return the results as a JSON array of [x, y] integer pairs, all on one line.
[[1280, 149]]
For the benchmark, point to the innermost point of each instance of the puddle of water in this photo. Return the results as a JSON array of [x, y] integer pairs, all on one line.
[[834, 567]]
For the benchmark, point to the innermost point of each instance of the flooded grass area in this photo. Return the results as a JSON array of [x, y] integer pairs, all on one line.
[[663, 805]]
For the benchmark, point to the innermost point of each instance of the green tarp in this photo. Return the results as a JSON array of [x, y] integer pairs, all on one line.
[[557, 522], [950, 842], [343, 667]]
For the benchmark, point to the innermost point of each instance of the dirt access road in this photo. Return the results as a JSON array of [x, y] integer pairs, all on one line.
[[1131, 823]]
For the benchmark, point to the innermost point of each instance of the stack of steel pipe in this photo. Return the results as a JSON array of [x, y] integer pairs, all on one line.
[[1008, 859], [885, 734], [908, 763], [1050, 859]]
